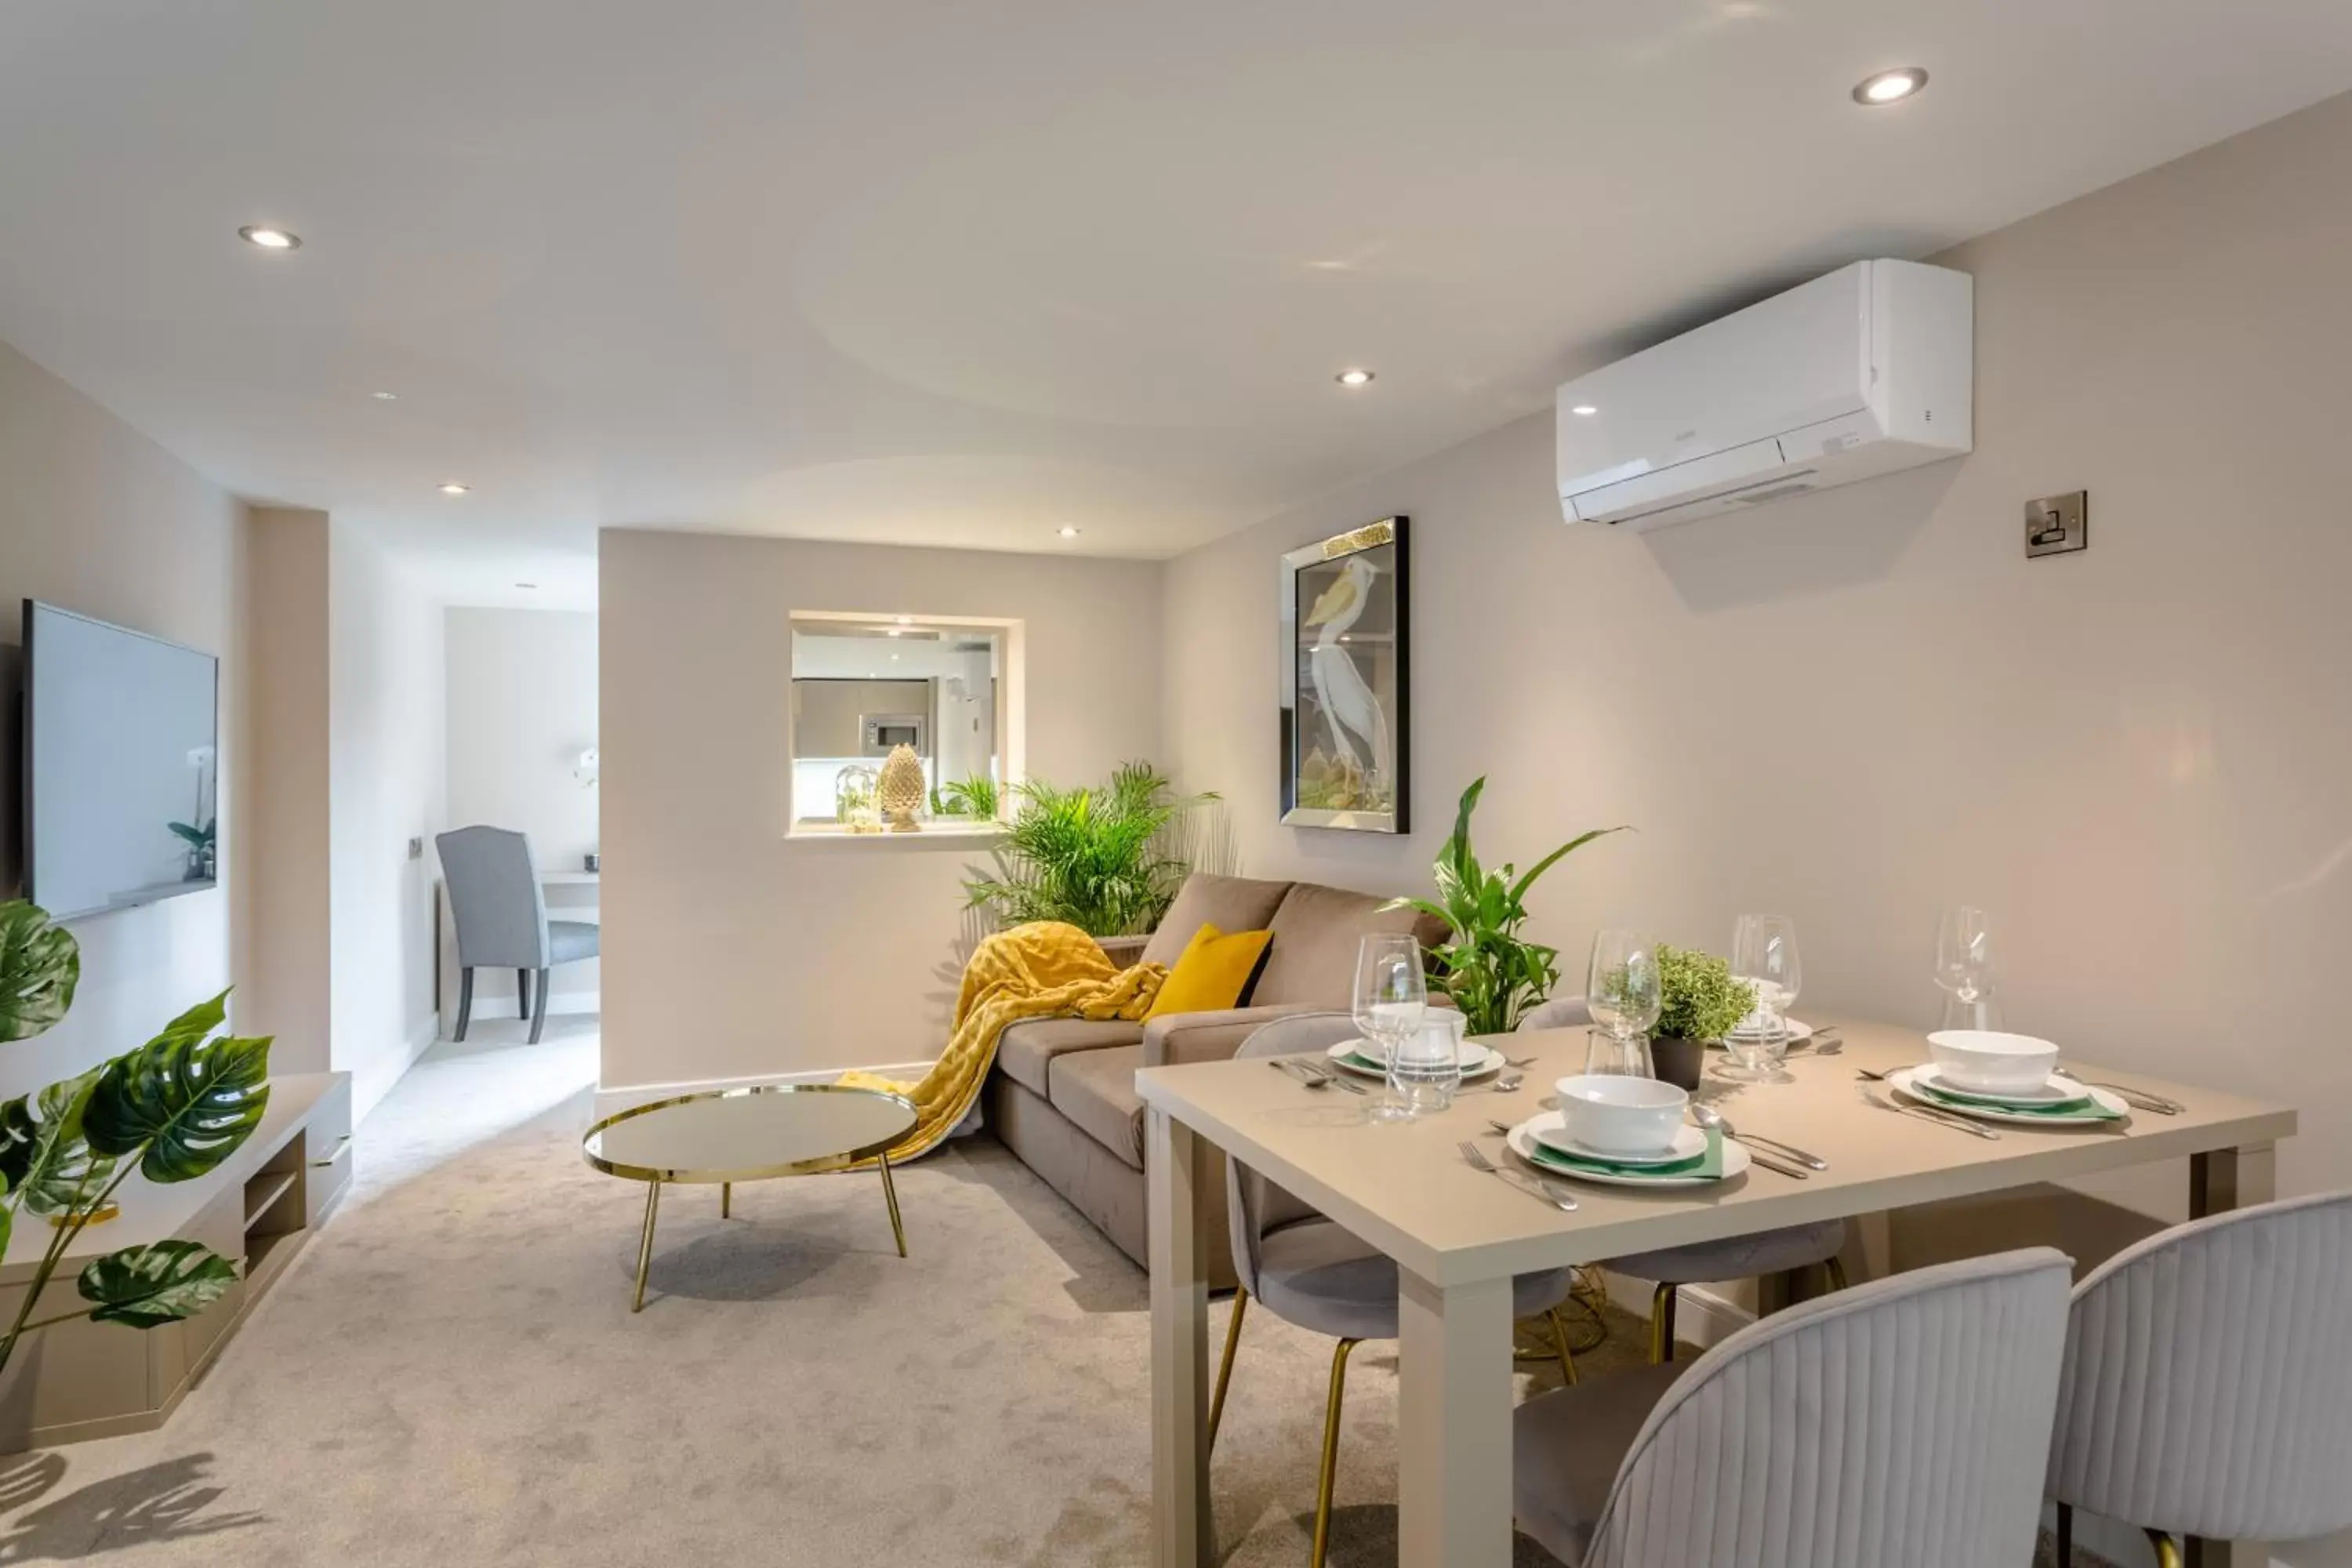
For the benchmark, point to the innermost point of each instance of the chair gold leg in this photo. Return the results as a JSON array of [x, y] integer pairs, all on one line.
[[1225, 1367], [726, 1200], [1835, 1267], [890, 1197], [1566, 1356], [1331, 1453], [1661, 1325], [645, 1244], [2167, 1554]]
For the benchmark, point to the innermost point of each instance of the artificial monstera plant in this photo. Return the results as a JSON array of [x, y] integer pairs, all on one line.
[[171, 1111], [1492, 972]]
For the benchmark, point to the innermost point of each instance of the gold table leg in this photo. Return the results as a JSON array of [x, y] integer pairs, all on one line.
[[890, 1194], [726, 1200], [645, 1244]]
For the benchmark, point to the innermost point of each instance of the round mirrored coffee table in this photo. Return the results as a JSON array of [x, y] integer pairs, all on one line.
[[748, 1135]]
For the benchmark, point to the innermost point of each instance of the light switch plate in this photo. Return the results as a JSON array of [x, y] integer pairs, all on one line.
[[416, 849], [2057, 524]]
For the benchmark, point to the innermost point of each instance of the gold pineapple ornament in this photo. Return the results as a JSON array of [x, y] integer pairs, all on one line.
[[900, 794]]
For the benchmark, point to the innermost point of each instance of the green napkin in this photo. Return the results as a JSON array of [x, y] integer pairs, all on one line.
[[2087, 1108], [1706, 1165]]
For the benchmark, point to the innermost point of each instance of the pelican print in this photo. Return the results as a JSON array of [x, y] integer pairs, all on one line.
[[1341, 693]]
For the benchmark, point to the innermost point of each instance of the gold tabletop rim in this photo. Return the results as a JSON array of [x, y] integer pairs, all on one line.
[[817, 1165]]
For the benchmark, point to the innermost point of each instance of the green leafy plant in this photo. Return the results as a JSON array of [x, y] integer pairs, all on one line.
[[975, 797], [1493, 973], [1097, 857], [1700, 1000], [171, 1111]]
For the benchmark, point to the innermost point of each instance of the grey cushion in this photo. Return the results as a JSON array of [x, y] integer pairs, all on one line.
[[1316, 932], [1316, 1273], [568, 941], [1026, 1049], [2208, 1382], [1228, 903], [1565, 1451], [1559, 1012], [1901, 1422], [494, 897], [1096, 1090], [1738, 1257]]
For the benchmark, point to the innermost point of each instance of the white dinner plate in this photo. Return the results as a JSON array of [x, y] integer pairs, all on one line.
[[1901, 1079], [1799, 1033], [1476, 1060], [1684, 1148], [2056, 1090], [1522, 1143]]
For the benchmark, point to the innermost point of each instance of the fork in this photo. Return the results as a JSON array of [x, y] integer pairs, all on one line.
[[2138, 1099], [1527, 1185], [1940, 1118], [1329, 1078]]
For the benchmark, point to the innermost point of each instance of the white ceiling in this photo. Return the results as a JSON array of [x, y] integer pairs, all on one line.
[[960, 274]]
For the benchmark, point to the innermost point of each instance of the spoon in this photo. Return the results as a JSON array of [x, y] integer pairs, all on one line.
[[1708, 1116]]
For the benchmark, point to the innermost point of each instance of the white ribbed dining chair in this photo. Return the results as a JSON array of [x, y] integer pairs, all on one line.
[[1901, 1422], [1310, 1270], [1734, 1258], [2208, 1382]]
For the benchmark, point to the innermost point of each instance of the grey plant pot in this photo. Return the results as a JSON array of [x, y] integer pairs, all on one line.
[[1678, 1061]]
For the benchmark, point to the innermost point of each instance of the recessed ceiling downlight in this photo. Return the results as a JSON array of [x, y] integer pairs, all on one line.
[[268, 237], [1354, 378], [1890, 87], [454, 488], [1066, 531], [1584, 410]]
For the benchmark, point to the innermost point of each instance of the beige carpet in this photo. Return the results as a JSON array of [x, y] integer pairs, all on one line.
[[449, 1374]]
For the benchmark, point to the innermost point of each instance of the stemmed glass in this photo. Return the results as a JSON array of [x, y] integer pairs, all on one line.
[[1624, 992], [1964, 968], [1764, 954], [1391, 995]]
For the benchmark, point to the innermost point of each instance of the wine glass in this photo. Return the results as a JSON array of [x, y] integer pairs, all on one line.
[[1764, 955], [1623, 989], [1964, 967], [1391, 995]]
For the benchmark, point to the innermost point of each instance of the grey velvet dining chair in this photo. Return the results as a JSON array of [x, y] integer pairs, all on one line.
[[1307, 1270], [1734, 1258], [2208, 1383], [1901, 1422], [501, 917]]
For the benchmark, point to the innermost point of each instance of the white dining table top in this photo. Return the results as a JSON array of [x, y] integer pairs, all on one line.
[[1404, 1187]]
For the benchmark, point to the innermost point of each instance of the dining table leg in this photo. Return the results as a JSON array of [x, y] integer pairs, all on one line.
[[1454, 1424], [2219, 1181], [1178, 1165]]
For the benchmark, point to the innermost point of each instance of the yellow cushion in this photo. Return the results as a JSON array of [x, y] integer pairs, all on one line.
[[1214, 973]]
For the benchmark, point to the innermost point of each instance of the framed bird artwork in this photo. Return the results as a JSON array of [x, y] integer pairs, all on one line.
[[1344, 687]]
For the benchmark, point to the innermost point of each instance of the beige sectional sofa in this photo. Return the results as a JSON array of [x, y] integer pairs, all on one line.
[[1062, 1095]]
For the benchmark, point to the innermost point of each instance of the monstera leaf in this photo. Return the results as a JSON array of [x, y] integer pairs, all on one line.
[[43, 1153], [40, 963], [188, 1101], [163, 1282]]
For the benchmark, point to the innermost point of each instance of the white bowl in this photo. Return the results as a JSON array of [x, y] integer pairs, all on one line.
[[1612, 1114], [1991, 1062]]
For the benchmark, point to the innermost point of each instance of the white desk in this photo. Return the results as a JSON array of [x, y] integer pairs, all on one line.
[[1458, 1238]]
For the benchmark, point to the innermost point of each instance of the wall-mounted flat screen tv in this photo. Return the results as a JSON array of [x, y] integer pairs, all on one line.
[[121, 766]]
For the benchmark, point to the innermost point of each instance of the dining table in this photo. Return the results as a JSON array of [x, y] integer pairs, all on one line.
[[1459, 1236]]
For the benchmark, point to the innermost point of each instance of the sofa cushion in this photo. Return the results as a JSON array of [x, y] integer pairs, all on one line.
[[1216, 972], [1096, 1090], [1025, 1048], [1315, 932], [1229, 903]]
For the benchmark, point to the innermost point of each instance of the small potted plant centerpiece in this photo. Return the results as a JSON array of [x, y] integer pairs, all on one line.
[[1702, 1002]]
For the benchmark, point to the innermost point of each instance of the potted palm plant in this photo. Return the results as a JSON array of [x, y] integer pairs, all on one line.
[[1492, 972], [1700, 1004], [1096, 857], [169, 1110]]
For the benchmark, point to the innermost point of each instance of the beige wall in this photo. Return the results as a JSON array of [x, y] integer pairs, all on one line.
[[730, 951], [98, 519], [1859, 706], [283, 864], [387, 785], [521, 709]]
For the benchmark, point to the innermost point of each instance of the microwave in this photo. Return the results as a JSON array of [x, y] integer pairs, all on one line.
[[878, 733]]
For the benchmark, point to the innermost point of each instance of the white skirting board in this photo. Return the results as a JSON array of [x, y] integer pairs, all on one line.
[[609, 1101]]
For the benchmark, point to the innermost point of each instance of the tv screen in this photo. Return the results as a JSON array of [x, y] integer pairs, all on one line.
[[121, 766]]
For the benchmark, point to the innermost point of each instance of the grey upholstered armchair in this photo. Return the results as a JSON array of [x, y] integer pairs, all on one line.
[[503, 919]]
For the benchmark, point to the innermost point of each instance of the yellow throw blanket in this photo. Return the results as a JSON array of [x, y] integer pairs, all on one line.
[[1046, 970]]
